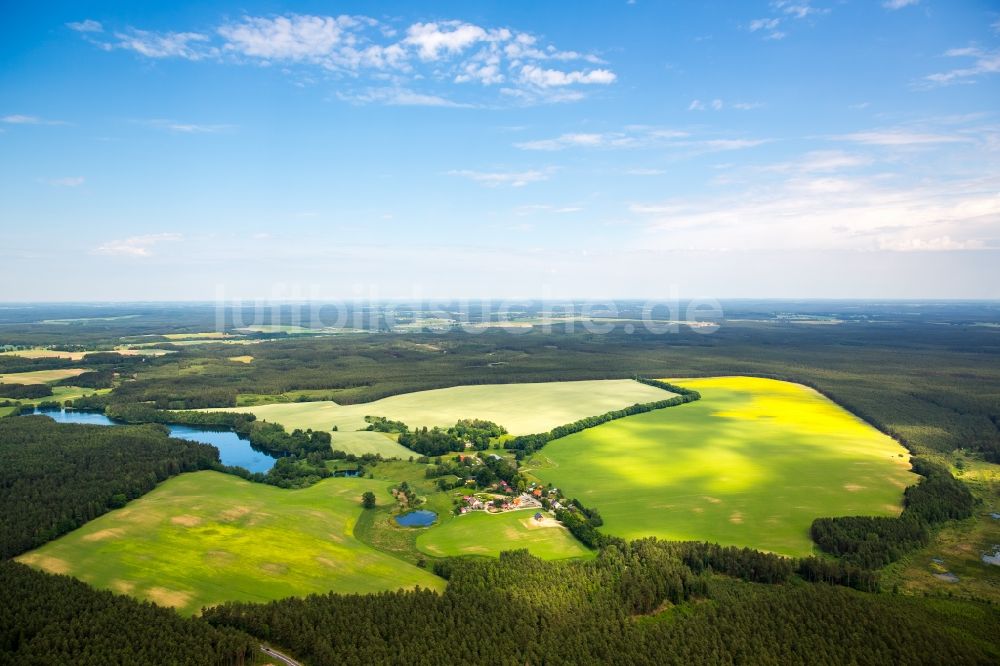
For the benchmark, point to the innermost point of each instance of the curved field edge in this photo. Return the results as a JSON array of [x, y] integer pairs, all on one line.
[[203, 538], [750, 464]]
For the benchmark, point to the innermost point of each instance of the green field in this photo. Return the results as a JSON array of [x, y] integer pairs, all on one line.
[[362, 442], [752, 464], [521, 408], [40, 376], [480, 533], [202, 538], [45, 353], [63, 393]]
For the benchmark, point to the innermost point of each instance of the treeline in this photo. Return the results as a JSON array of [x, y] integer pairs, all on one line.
[[873, 542], [525, 445], [95, 379], [25, 391], [744, 563], [521, 610], [48, 619], [56, 477]]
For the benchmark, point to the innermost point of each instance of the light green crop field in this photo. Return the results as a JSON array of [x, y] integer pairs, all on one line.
[[480, 533], [521, 408], [40, 376], [751, 464], [202, 538], [64, 393], [45, 353], [362, 442]]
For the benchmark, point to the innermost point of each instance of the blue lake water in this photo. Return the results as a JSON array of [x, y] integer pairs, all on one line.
[[233, 450], [421, 518]]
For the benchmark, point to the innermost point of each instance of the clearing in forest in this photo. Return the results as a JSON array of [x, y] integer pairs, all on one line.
[[751, 464], [203, 538]]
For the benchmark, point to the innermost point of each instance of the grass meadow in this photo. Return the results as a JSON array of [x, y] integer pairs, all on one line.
[[202, 538], [480, 533], [751, 464]]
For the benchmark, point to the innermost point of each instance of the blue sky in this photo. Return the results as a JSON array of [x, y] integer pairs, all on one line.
[[602, 149]]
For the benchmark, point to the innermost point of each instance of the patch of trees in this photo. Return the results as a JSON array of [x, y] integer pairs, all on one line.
[[95, 379], [383, 424], [25, 391], [55, 477], [438, 441], [477, 432], [577, 612], [48, 619], [431, 441], [525, 445], [874, 542]]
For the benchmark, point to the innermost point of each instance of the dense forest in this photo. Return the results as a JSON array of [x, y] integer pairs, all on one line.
[[521, 610], [48, 619], [56, 477]]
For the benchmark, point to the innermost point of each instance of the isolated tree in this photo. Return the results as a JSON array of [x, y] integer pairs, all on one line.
[[368, 500]]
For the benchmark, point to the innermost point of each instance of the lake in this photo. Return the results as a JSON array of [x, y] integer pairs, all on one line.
[[233, 450], [421, 518]]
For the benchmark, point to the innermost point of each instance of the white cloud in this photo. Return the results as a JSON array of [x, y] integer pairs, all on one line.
[[291, 37], [898, 4], [187, 45], [363, 54], [68, 181], [630, 137], [136, 246], [186, 128], [821, 161], [639, 137], [748, 106], [791, 10], [696, 105], [18, 119], [900, 137], [984, 62], [763, 24], [531, 209], [797, 9], [398, 97], [804, 212], [545, 78], [87, 25], [732, 144], [503, 178], [431, 40]]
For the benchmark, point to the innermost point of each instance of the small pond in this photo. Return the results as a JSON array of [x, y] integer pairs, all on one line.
[[421, 518], [347, 472], [233, 450]]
